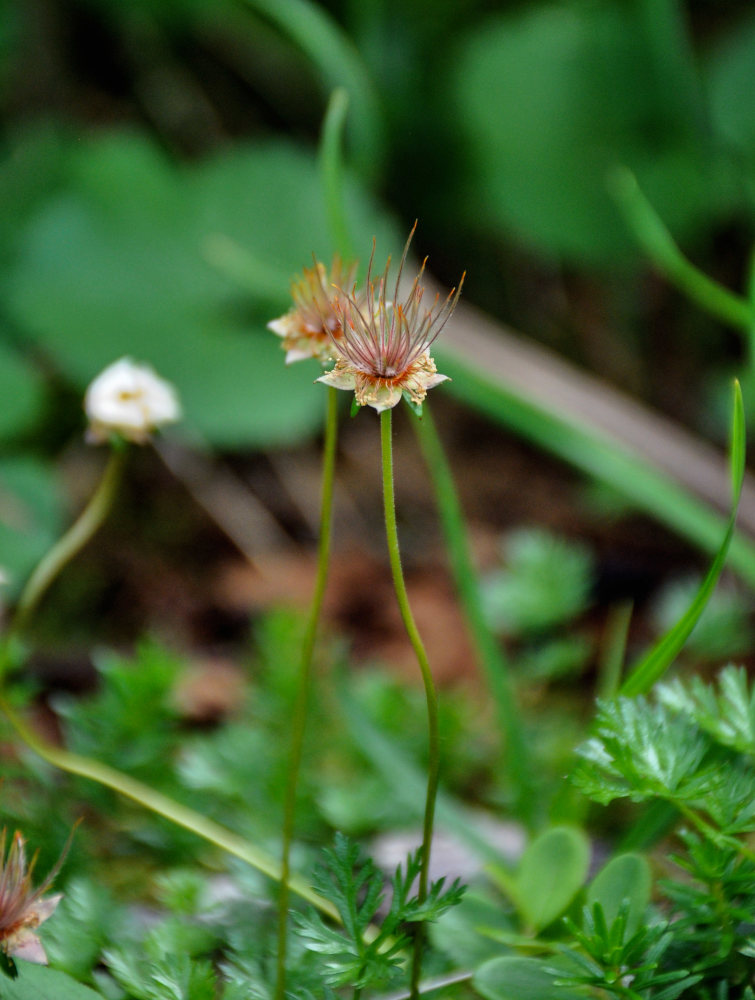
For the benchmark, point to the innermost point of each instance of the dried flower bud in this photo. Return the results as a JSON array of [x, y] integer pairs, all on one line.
[[311, 327], [129, 399], [383, 351]]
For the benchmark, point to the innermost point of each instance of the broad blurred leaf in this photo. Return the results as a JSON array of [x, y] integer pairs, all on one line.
[[546, 582], [549, 99], [30, 516], [21, 392], [119, 266], [730, 72]]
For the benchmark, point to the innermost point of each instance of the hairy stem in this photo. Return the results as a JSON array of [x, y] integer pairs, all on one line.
[[299, 715], [433, 768]]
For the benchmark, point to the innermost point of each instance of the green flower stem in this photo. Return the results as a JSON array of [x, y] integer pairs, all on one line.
[[72, 542], [158, 803], [433, 768], [489, 653], [299, 716], [331, 171]]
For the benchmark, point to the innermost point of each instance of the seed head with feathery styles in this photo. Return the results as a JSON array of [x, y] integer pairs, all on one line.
[[311, 326], [22, 907], [383, 351]]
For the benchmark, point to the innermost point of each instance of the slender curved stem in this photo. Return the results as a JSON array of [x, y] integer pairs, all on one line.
[[655, 239], [489, 654], [72, 542], [433, 767], [299, 716], [161, 804], [331, 170]]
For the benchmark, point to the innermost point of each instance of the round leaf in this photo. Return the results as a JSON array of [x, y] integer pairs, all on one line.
[[624, 877], [515, 978], [551, 872]]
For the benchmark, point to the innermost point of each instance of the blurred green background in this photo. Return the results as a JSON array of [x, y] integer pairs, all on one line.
[[160, 185]]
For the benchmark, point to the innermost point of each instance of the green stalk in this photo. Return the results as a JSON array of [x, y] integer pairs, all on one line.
[[655, 239], [488, 650], [158, 803], [299, 715], [331, 170], [433, 767], [72, 542]]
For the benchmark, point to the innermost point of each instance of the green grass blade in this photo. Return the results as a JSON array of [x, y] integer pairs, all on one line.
[[339, 63], [331, 170], [651, 233], [655, 663], [597, 455]]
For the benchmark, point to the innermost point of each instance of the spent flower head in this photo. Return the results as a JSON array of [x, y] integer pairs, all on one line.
[[22, 907], [383, 352], [313, 324], [130, 400]]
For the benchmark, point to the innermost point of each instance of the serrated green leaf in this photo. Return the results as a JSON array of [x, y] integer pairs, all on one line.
[[551, 872]]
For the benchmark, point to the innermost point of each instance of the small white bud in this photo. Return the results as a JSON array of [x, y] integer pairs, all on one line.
[[131, 400]]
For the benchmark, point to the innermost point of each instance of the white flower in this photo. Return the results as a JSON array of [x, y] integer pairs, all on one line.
[[131, 400]]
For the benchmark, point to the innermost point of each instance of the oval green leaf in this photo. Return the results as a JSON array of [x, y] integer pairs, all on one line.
[[551, 873], [626, 877], [515, 978]]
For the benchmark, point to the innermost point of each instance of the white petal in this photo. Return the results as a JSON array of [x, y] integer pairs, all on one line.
[[281, 326], [25, 944], [295, 354], [337, 379]]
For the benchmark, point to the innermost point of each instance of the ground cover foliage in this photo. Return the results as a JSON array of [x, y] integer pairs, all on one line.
[[168, 166]]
